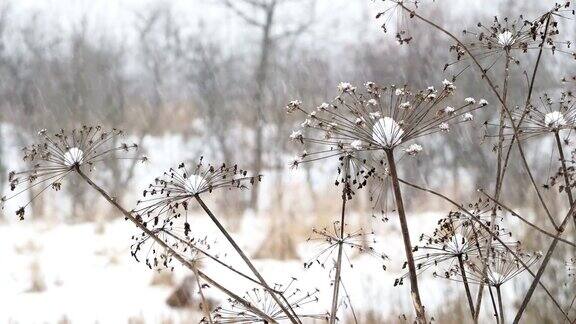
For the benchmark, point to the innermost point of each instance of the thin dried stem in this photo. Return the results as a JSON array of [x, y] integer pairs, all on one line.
[[466, 286], [345, 193], [418, 307], [289, 313]]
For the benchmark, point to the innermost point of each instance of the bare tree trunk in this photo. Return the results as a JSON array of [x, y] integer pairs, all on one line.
[[259, 102]]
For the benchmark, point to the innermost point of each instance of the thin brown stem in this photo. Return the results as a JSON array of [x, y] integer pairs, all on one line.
[[246, 260], [525, 221], [205, 307], [336, 289], [500, 171], [500, 306], [554, 243], [530, 90], [466, 286], [176, 255], [337, 278], [420, 313], [542, 268], [567, 185], [494, 305]]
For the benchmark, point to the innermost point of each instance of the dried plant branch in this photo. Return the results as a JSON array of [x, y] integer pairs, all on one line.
[[498, 96], [466, 286], [535, 282], [178, 257]]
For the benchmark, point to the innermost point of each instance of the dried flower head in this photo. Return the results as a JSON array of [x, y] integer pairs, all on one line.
[[379, 118], [505, 38], [458, 238], [354, 243], [502, 266], [545, 117], [260, 298], [164, 208], [61, 153]]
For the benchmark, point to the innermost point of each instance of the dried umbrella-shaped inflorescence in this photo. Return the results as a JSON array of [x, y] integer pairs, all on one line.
[[62, 153], [354, 243], [238, 313], [377, 118], [547, 116], [550, 116], [165, 205], [458, 237], [505, 38], [502, 266]]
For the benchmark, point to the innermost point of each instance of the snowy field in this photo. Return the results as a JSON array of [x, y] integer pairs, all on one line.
[[55, 272]]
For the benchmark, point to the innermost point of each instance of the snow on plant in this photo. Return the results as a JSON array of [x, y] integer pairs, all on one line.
[[362, 126], [377, 118], [59, 154], [165, 203], [547, 115], [510, 38], [368, 130], [480, 49]]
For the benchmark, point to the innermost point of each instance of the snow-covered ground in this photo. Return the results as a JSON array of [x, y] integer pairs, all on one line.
[[89, 275]]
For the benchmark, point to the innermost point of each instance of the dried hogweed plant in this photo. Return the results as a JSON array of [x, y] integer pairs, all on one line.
[[80, 150], [381, 120], [369, 130], [483, 47]]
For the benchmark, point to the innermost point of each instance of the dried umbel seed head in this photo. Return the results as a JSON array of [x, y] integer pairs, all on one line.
[[507, 38], [459, 237], [545, 116], [353, 242], [378, 118], [57, 155], [180, 184], [502, 266], [146, 249], [165, 204], [298, 300]]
